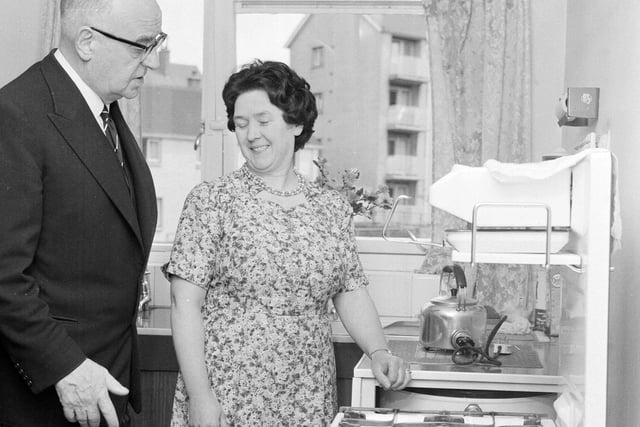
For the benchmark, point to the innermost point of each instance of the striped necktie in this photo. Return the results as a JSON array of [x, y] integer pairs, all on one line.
[[112, 134]]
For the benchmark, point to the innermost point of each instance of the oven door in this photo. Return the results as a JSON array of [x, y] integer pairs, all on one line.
[[426, 399], [473, 416]]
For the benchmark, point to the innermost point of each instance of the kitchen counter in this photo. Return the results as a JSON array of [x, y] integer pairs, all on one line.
[[543, 379]]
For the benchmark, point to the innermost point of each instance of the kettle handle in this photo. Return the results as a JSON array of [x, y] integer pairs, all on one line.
[[461, 283], [447, 271], [458, 273]]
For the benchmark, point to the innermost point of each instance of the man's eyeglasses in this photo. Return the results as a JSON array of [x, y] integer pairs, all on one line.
[[157, 41]]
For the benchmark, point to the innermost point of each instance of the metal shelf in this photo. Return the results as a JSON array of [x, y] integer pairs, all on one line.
[[560, 258]]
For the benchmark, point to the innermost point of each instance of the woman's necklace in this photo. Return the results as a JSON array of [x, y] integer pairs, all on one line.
[[264, 187]]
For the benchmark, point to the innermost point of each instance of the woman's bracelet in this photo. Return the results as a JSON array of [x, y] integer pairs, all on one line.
[[379, 349]]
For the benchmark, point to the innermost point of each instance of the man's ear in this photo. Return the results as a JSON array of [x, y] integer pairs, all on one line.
[[84, 43], [298, 130]]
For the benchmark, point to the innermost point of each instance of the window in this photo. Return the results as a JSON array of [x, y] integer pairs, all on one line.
[[319, 102], [338, 47], [403, 95], [401, 144], [405, 47], [317, 57], [406, 188], [152, 149], [159, 227]]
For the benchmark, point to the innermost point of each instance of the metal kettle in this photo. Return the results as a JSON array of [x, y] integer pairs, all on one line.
[[452, 320]]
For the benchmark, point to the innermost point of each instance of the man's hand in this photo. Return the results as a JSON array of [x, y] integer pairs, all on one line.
[[84, 394]]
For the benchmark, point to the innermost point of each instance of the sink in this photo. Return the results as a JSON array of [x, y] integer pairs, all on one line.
[[403, 328]]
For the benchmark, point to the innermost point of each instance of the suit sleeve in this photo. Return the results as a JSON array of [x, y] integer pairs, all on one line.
[[40, 349]]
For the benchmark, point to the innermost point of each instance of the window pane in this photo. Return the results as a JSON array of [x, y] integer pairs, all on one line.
[[372, 74], [170, 112]]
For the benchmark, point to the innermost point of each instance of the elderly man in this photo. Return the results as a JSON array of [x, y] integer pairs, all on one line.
[[78, 213]]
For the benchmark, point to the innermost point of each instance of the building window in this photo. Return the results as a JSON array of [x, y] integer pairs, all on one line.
[[403, 95], [400, 144], [152, 149], [405, 47], [317, 57], [160, 214], [400, 187], [319, 102]]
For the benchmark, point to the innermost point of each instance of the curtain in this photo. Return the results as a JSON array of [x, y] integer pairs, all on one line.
[[51, 28], [481, 94], [51, 39]]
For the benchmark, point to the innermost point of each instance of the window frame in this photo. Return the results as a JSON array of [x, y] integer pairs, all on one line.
[[319, 102], [406, 46], [219, 57], [317, 57], [160, 221], [156, 143]]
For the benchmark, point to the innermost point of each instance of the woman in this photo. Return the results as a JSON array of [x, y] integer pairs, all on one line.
[[258, 254]]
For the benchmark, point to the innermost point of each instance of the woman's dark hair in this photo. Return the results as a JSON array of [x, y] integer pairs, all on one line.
[[286, 90]]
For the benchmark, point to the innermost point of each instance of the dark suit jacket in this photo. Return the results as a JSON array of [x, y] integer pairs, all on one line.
[[73, 245]]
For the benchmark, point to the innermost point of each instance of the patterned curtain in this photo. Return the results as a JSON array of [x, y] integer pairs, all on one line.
[[51, 39], [481, 89]]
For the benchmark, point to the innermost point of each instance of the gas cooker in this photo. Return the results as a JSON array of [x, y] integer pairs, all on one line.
[[471, 417]]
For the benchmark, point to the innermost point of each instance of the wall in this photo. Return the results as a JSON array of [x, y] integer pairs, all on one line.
[[602, 51], [21, 36], [548, 27]]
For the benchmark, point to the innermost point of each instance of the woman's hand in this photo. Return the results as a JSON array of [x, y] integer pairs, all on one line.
[[206, 412], [392, 372]]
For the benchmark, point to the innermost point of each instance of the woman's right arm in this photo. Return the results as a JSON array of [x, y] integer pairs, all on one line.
[[188, 340]]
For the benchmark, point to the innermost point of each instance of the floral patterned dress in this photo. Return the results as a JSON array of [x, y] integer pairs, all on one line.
[[269, 272]]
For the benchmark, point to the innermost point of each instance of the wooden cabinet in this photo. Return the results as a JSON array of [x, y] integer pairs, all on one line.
[[347, 356]]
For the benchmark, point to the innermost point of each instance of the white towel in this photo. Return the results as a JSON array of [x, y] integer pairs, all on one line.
[[526, 172], [569, 410]]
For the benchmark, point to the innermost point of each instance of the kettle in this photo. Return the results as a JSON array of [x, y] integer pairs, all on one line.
[[451, 320]]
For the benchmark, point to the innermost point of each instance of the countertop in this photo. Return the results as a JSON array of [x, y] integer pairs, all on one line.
[[403, 333], [403, 337]]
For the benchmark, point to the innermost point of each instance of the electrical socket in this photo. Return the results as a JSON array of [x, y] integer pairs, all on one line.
[[583, 102]]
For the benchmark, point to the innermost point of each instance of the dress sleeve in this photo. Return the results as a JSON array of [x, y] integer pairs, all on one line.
[[192, 255], [354, 277]]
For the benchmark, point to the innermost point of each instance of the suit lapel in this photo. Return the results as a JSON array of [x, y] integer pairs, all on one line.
[[75, 122], [141, 180]]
